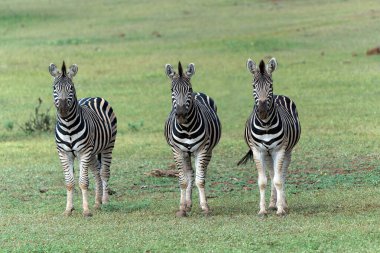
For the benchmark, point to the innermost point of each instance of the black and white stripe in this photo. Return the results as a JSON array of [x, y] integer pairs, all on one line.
[[85, 129], [271, 132], [192, 129]]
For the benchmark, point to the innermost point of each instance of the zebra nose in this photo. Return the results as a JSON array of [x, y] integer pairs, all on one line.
[[180, 111], [262, 109], [62, 102]]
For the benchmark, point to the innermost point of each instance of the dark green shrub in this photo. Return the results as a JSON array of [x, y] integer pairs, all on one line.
[[39, 121]]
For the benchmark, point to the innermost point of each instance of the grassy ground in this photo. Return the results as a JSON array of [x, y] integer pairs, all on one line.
[[121, 48]]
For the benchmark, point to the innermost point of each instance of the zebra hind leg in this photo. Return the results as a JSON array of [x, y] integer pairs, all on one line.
[[285, 166], [105, 158], [98, 183]]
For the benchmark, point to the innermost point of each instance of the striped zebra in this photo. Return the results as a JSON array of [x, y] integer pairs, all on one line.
[[192, 129], [85, 129], [271, 132]]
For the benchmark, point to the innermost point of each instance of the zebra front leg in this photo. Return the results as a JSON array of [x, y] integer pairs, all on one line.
[[273, 193], [278, 180], [189, 174], [84, 163], [95, 167], [67, 162], [183, 163], [201, 162], [260, 158]]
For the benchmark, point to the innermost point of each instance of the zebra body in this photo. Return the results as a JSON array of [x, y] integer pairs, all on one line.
[[85, 129], [192, 130], [272, 131]]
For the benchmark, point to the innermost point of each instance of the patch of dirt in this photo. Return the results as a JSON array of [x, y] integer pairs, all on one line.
[[373, 51], [162, 173]]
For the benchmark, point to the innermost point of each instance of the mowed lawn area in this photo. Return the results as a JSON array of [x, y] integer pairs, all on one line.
[[121, 48]]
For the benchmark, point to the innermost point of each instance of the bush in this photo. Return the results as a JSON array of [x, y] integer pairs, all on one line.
[[39, 121]]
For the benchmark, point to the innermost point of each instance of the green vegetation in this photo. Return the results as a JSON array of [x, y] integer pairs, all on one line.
[[121, 48]]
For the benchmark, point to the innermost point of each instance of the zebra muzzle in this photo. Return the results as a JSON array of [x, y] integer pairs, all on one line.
[[262, 110], [63, 107]]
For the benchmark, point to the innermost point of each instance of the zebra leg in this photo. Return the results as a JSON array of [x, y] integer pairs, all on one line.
[[98, 182], [201, 162], [67, 162], [273, 193], [106, 157], [189, 174], [285, 166], [260, 161], [278, 180], [183, 163], [84, 163]]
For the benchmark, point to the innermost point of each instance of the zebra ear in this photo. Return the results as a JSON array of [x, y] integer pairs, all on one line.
[[251, 66], [72, 71], [272, 65], [53, 70], [190, 70], [169, 71]]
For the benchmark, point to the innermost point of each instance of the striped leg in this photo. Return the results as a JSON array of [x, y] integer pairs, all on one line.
[[84, 164], [189, 174], [202, 160], [260, 161], [67, 162], [95, 167], [106, 157], [278, 180], [183, 163], [273, 193], [285, 166]]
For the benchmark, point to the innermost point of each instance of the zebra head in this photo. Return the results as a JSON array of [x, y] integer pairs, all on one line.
[[63, 89], [262, 86], [182, 92]]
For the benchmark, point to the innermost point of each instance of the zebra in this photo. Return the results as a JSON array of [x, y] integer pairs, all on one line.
[[85, 129], [271, 132], [192, 129]]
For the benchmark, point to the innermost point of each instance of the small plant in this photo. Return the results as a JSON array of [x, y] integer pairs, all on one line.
[[135, 126], [9, 125], [40, 121]]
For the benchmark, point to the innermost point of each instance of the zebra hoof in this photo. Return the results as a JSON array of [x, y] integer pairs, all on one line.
[[181, 213], [281, 213], [262, 214], [87, 214], [188, 209], [273, 208], [206, 212], [68, 213]]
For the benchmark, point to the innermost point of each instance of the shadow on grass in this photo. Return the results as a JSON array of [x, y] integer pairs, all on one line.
[[126, 207]]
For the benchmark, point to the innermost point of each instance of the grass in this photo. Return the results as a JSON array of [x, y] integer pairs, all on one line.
[[121, 48]]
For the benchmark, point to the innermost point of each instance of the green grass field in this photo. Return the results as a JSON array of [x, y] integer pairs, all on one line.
[[121, 48]]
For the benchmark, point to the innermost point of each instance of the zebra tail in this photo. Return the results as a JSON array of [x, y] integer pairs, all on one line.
[[248, 156]]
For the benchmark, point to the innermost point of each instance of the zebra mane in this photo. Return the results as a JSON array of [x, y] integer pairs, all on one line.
[[262, 67], [63, 69], [180, 70]]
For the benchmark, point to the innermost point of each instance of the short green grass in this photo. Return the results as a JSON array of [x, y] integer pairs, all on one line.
[[121, 48]]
